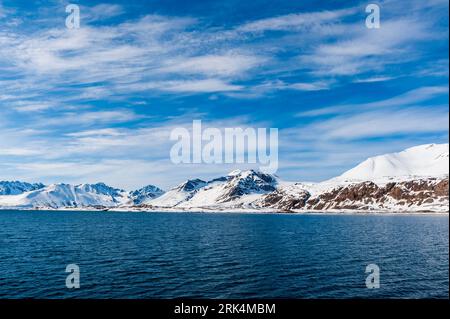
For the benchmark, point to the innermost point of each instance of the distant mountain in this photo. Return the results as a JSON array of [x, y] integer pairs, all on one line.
[[177, 195], [413, 180], [422, 194], [101, 189], [145, 194], [424, 161], [66, 196], [16, 188], [233, 190]]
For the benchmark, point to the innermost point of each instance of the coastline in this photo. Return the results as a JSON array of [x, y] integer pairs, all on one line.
[[239, 211]]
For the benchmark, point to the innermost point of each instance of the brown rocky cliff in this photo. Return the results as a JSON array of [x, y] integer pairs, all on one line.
[[402, 195]]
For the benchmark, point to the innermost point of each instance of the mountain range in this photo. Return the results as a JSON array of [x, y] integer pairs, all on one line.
[[414, 180]]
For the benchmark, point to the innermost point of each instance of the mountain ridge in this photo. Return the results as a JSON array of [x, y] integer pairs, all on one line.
[[415, 179], [422, 160]]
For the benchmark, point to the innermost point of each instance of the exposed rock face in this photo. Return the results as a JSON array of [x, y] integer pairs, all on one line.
[[413, 195], [148, 192], [239, 189], [243, 190], [413, 180], [191, 185], [101, 189], [247, 183], [16, 188], [285, 198], [418, 194]]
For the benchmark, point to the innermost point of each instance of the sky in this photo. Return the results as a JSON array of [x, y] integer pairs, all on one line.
[[98, 103]]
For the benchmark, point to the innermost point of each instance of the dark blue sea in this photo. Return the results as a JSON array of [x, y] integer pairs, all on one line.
[[212, 255]]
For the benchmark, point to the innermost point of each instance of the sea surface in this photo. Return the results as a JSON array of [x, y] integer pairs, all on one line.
[[220, 255]]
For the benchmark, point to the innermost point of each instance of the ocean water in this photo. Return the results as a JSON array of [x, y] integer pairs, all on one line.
[[199, 255]]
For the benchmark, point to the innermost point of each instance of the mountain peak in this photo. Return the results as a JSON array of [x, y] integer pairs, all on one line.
[[375, 183], [235, 172], [100, 188], [16, 187], [247, 182], [422, 160], [148, 192], [191, 184], [251, 172]]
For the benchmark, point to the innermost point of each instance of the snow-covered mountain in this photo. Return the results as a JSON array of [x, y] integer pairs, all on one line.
[[428, 194], [144, 194], [424, 161], [415, 179], [235, 189], [177, 195], [16, 188], [66, 196]]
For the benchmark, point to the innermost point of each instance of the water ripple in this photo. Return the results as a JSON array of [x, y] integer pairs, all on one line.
[[162, 255]]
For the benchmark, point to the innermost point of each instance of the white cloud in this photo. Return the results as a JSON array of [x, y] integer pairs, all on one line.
[[53, 75], [411, 97], [124, 157], [411, 120], [294, 22], [374, 79], [3, 11], [17, 151], [214, 65], [328, 147], [196, 86], [186, 54], [154, 50], [101, 132], [368, 50], [93, 117], [100, 12], [311, 86]]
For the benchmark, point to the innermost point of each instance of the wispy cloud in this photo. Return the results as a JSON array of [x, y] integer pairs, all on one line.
[[97, 103], [411, 120], [365, 51], [296, 22], [101, 12], [374, 79], [411, 97], [214, 65]]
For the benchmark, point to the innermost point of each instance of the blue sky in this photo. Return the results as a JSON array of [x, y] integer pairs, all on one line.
[[98, 103]]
